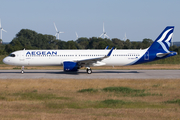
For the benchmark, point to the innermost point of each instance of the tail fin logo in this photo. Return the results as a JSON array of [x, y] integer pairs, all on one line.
[[165, 39]]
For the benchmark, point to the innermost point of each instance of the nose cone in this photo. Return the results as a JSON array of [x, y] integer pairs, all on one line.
[[6, 60]]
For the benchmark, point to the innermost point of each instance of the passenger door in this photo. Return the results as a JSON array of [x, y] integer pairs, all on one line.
[[22, 56]]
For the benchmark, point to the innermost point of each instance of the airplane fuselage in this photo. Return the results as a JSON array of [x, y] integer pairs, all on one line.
[[57, 57]]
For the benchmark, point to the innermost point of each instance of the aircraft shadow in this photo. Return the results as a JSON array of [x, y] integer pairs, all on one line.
[[69, 73], [104, 71]]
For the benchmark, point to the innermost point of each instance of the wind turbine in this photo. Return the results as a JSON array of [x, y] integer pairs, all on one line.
[[172, 40], [1, 29], [57, 32], [104, 33], [125, 38], [76, 36]]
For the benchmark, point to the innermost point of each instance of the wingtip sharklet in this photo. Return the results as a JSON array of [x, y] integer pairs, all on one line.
[[106, 47], [109, 54]]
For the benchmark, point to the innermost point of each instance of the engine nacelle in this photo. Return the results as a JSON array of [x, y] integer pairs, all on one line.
[[70, 66]]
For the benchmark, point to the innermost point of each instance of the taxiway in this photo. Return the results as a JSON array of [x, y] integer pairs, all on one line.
[[97, 74]]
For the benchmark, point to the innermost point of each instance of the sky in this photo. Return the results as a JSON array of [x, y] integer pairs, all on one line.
[[139, 19]]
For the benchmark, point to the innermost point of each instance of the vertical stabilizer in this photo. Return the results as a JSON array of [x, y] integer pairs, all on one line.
[[163, 41], [160, 47]]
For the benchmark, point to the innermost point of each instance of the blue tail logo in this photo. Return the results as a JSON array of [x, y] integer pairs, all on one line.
[[162, 43]]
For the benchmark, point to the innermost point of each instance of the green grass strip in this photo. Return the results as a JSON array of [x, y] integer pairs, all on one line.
[[174, 101], [91, 90], [122, 90]]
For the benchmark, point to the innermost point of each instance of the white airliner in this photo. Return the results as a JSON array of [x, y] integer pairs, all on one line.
[[72, 60]]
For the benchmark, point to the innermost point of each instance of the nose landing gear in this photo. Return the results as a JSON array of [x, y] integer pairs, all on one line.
[[22, 69]]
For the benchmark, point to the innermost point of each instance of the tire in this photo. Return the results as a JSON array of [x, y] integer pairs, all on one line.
[[89, 71]]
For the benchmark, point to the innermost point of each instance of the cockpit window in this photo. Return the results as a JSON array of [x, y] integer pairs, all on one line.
[[12, 55]]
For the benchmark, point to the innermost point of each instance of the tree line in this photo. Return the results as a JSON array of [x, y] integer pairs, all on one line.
[[29, 39]]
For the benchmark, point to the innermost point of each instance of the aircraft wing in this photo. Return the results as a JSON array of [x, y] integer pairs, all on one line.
[[92, 60]]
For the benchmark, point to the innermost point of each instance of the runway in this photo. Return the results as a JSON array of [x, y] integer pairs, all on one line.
[[97, 74]]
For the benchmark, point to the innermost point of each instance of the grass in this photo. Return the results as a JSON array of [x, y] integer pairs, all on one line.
[[108, 103], [1, 58], [117, 90], [122, 89], [157, 85], [177, 101], [89, 99], [111, 103], [30, 96], [91, 90], [17, 68], [34, 96]]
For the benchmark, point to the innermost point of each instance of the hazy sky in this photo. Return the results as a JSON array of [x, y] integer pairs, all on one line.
[[139, 19]]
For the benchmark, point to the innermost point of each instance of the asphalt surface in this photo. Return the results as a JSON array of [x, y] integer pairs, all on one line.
[[97, 74]]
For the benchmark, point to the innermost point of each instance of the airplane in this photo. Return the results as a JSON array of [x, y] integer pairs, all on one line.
[[72, 60]]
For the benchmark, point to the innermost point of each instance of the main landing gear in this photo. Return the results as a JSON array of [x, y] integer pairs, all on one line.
[[88, 69], [22, 69]]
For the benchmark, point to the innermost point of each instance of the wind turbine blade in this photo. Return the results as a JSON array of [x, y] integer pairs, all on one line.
[[4, 30], [107, 35], [1, 34], [103, 28], [125, 38], [55, 27], [172, 40], [61, 32], [0, 23], [76, 34], [56, 34], [101, 35]]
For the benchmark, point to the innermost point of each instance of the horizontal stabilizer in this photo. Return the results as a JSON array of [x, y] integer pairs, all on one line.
[[165, 54]]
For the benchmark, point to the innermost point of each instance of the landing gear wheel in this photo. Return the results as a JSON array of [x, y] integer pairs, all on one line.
[[22, 69], [89, 71]]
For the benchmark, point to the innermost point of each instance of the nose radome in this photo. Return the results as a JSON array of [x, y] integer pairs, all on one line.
[[5, 60]]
